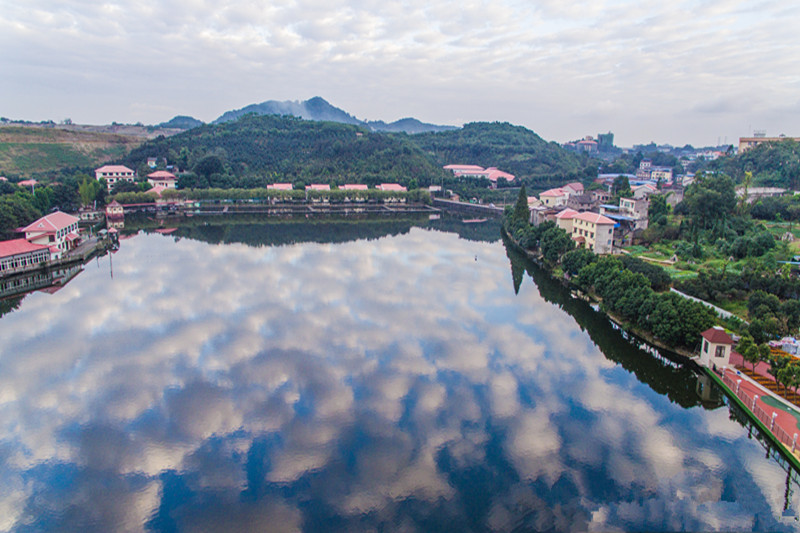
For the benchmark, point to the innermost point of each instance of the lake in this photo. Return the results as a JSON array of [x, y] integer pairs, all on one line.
[[370, 374]]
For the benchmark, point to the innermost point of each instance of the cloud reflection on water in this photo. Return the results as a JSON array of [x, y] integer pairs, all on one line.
[[378, 379]]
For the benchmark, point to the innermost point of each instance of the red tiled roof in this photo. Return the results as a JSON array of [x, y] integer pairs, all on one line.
[[567, 213], [391, 187], [280, 186], [318, 187], [113, 168], [26, 183], [594, 218], [18, 246], [161, 175], [52, 222], [717, 336], [463, 167], [354, 187], [553, 192]]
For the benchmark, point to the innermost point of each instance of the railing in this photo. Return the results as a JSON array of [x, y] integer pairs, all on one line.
[[768, 420]]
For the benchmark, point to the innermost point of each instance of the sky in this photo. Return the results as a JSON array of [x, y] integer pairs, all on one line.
[[692, 71]]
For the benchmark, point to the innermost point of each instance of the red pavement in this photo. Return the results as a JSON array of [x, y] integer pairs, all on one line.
[[784, 420]]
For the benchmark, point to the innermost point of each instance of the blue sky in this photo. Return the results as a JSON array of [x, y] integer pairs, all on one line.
[[689, 71]]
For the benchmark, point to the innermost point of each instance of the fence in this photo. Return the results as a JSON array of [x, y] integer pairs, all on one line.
[[751, 402]]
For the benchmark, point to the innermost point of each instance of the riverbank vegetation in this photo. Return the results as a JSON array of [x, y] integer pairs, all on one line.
[[627, 287]]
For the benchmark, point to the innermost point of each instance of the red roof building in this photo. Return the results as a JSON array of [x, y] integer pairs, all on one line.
[[56, 229], [394, 187], [19, 255], [114, 174], [162, 178], [280, 187], [353, 187]]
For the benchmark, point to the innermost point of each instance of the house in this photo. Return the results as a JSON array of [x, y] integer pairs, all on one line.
[[18, 255], [56, 229], [115, 211], [114, 174], [394, 187], [573, 188], [564, 219], [163, 178], [716, 348], [601, 196], [475, 171], [357, 187], [642, 191], [152, 162], [581, 202], [318, 187], [554, 197], [280, 187], [587, 145], [663, 174], [593, 231]]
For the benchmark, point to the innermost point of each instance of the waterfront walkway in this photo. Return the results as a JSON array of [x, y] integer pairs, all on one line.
[[781, 419]]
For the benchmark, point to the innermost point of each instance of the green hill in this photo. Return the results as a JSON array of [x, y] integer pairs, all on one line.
[[514, 149], [773, 164], [257, 150], [29, 151]]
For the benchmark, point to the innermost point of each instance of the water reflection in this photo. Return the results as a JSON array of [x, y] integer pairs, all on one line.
[[396, 383]]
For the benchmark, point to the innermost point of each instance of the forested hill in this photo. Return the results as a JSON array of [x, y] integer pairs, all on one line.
[[510, 148], [256, 150], [774, 164]]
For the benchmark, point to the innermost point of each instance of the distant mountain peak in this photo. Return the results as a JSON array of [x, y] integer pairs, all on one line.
[[317, 108]]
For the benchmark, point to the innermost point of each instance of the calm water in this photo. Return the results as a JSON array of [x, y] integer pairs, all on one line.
[[348, 376]]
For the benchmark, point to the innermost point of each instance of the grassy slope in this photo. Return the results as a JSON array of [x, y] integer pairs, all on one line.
[[26, 151]]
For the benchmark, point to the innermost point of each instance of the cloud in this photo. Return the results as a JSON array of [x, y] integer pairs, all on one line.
[[638, 69]]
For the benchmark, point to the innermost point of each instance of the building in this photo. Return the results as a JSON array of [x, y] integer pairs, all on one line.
[[19, 255], [360, 187], [564, 219], [474, 171], [593, 231], [746, 143], [554, 197], [643, 191], [588, 145], [114, 174], [716, 348], [115, 211], [162, 178], [394, 187], [581, 202], [573, 188], [318, 187], [280, 187], [56, 229]]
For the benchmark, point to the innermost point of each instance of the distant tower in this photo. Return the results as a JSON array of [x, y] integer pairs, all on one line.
[[605, 141]]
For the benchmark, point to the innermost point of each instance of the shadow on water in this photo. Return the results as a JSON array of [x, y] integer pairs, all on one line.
[[258, 230], [664, 373]]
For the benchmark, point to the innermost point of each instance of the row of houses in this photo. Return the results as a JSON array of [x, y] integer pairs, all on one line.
[[45, 239], [588, 217]]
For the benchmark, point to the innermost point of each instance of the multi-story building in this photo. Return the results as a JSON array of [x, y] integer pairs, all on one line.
[[56, 229], [593, 231], [114, 174]]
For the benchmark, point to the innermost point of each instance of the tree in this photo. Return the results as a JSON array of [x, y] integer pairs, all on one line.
[[87, 190], [711, 198], [658, 210], [749, 350], [621, 186], [209, 165], [521, 211]]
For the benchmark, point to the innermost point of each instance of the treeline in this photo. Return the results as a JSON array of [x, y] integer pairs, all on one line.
[[773, 164], [258, 150], [275, 195], [627, 287], [19, 206], [510, 148]]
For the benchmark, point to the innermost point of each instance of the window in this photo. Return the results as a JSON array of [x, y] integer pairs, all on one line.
[[720, 351], [705, 346]]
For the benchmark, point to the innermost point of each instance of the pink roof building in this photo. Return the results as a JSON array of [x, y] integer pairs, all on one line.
[[564, 219], [594, 231], [27, 183], [162, 178], [18, 255], [554, 197], [280, 187], [353, 187], [573, 188], [463, 168], [318, 187], [474, 171], [113, 174], [56, 229], [394, 187]]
